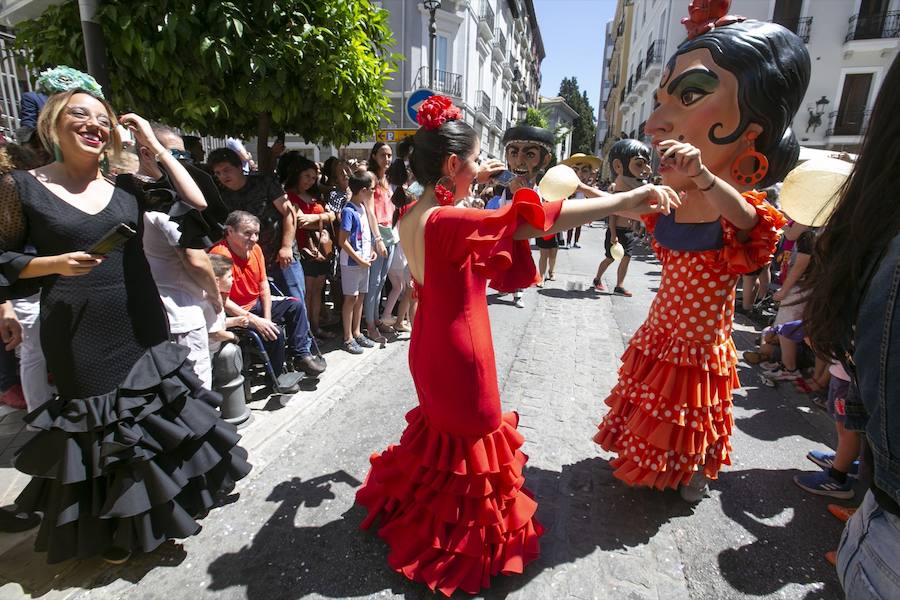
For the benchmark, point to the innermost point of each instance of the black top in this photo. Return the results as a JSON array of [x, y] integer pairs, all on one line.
[[94, 327]]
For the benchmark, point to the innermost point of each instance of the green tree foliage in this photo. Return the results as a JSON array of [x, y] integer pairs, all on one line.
[[584, 127], [534, 117], [310, 67]]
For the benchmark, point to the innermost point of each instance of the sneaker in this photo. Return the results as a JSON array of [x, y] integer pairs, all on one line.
[[784, 374], [520, 302], [363, 342], [823, 484], [825, 460], [841, 513], [770, 365], [620, 291], [598, 286], [576, 245], [353, 347]]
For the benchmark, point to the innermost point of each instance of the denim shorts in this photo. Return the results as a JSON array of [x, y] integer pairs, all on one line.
[[868, 561], [837, 394]]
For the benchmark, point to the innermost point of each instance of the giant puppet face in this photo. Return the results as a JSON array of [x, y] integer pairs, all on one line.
[[526, 159], [734, 85]]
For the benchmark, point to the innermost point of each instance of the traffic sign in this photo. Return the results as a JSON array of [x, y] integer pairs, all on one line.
[[393, 135], [415, 100]]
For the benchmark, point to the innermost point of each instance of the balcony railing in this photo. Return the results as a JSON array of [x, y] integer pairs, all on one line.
[[639, 72], [487, 14], [445, 82], [655, 52], [498, 117], [875, 27], [484, 103], [630, 85], [501, 41], [853, 122], [801, 26]]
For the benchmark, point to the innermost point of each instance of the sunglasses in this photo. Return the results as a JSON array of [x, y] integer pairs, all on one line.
[[182, 155]]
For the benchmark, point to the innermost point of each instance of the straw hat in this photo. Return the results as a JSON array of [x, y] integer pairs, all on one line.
[[810, 192], [579, 158]]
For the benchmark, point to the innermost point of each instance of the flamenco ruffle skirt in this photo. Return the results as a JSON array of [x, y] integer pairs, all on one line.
[[668, 421], [453, 510], [131, 468]]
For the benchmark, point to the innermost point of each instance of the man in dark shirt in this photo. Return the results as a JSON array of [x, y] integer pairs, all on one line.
[[262, 196]]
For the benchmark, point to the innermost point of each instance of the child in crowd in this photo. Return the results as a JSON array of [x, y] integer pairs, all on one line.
[[225, 354], [355, 240], [838, 468]]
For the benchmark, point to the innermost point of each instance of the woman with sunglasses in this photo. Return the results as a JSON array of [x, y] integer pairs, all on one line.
[[132, 449]]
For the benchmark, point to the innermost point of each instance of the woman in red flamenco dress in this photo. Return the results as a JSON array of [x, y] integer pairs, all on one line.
[[722, 128], [450, 495]]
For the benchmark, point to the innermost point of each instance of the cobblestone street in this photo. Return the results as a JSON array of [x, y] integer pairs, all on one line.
[[293, 530]]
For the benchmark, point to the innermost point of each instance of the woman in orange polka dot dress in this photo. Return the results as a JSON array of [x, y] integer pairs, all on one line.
[[721, 127]]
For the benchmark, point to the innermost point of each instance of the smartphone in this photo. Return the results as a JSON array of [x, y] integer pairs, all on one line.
[[114, 238], [504, 177]]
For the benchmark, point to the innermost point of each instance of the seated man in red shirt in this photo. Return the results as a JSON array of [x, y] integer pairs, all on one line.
[[250, 297]]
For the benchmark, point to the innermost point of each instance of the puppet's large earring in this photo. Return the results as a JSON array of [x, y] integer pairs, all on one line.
[[757, 158]]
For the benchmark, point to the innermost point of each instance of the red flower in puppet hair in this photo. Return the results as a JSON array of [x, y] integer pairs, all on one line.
[[704, 15], [436, 111]]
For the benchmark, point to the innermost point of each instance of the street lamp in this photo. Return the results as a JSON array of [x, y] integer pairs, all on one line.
[[815, 116], [431, 6]]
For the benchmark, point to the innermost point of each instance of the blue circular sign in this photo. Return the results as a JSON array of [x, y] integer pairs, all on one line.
[[415, 100]]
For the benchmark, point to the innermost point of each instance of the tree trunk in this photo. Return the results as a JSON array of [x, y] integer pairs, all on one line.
[[264, 127]]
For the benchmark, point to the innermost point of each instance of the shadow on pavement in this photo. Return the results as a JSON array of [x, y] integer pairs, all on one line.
[[778, 516], [288, 561], [338, 560]]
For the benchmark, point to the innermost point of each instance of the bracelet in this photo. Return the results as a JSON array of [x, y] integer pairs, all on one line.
[[699, 173], [711, 185], [379, 239]]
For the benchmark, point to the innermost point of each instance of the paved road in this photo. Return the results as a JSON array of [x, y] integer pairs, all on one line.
[[292, 533]]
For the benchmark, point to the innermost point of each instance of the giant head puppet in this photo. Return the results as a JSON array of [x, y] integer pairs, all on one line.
[[528, 151], [732, 90], [629, 162]]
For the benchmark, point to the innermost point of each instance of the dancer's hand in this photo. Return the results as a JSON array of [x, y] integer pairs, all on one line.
[[649, 198], [489, 169], [682, 157]]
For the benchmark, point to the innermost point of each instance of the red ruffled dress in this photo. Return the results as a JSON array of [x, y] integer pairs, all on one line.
[[450, 495], [670, 413]]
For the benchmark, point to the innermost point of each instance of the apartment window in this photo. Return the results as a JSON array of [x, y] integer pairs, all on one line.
[[440, 55], [852, 114]]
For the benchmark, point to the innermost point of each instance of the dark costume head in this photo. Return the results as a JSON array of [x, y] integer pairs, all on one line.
[[630, 158], [528, 150], [772, 68]]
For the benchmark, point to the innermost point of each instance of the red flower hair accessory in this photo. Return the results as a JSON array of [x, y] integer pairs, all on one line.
[[444, 196], [436, 111], [705, 15]]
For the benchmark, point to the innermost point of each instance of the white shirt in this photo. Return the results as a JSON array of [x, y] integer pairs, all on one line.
[[182, 297], [216, 326]]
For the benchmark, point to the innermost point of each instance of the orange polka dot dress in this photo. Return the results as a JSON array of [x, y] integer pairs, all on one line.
[[670, 413]]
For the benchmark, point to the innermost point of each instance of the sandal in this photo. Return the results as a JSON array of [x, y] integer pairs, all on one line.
[[550, 276], [753, 357], [620, 291]]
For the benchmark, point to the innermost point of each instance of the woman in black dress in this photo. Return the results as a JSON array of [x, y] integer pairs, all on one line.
[[132, 449]]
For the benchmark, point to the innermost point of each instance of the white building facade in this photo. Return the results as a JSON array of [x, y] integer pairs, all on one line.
[[851, 44]]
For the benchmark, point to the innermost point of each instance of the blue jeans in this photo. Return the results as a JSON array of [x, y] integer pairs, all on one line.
[[291, 314], [291, 281], [377, 278], [868, 561]]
